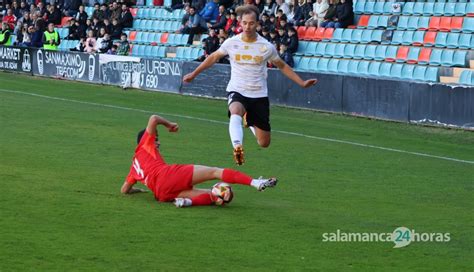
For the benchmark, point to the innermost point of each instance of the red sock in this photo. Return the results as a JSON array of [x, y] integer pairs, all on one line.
[[233, 176], [202, 200]]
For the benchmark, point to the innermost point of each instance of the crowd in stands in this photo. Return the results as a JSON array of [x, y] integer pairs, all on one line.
[[34, 22], [278, 21]]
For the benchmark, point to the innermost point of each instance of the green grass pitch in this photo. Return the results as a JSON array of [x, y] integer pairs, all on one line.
[[62, 164]]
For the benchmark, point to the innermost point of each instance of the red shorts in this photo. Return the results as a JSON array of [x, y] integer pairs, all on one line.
[[174, 179]]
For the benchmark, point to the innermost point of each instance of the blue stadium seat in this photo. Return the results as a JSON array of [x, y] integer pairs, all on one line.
[[349, 51], [296, 61], [313, 64], [162, 52], [419, 73], [377, 35], [363, 67], [411, 24], [373, 22], [353, 67], [466, 78], [460, 9], [397, 37], [337, 35], [366, 36], [403, 22], [374, 68], [396, 70], [459, 59], [378, 8], [465, 41], [330, 50], [441, 39], [369, 7], [140, 13], [369, 53], [356, 36], [380, 52], [303, 64], [184, 39], [423, 23], [168, 3], [449, 9], [383, 21], [391, 52], [435, 58], [407, 71], [413, 54], [385, 69], [153, 51], [429, 9], [408, 8], [311, 49], [149, 25], [136, 24], [387, 8], [418, 37], [343, 66], [339, 52], [176, 25], [359, 7], [180, 53], [302, 45], [453, 40], [432, 74], [346, 35], [320, 49], [333, 65], [438, 9], [141, 50], [359, 51], [447, 58], [407, 38], [418, 8], [468, 25], [470, 8]]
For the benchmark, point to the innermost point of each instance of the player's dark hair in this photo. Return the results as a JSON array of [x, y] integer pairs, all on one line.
[[248, 9], [140, 135]]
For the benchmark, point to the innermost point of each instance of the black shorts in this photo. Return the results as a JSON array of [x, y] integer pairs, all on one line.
[[258, 109]]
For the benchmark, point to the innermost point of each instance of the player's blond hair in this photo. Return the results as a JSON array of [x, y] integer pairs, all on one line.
[[248, 9]]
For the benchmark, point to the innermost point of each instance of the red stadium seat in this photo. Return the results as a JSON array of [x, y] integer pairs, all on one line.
[[424, 57], [363, 21], [301, 32], [133, 35], [164, 38], [134, 11], [402, 53], [352, 26], [310, 32], [456, 24], [65, 21], [327, 36], [445, 24], [318, 34], [434, 23], [429, 39]]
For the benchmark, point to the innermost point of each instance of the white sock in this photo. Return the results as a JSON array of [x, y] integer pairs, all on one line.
[[253, 130], [235, 130], [256, 183], [187, 202]]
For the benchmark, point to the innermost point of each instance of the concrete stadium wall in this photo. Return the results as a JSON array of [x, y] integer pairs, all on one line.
[[387, 99]]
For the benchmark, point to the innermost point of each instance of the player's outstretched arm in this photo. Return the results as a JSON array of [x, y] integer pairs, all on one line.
[[207, 63], [156, 120], [289, 73], [127, 188]]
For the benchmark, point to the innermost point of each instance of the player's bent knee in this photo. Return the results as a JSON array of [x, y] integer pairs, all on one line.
[[264, 143]]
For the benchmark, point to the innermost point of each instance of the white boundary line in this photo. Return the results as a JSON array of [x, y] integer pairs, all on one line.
[[225, 123]]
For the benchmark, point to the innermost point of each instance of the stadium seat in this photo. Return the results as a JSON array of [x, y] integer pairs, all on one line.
[[356, 36], [327, 35], [430, 38], [65, 21], [391, 53], [161, 52], [413, 55], [466, 77], [359, 51], [407, 71], [392, 22], [337, 35], [373, 22], [374, 68], [419, 73], [425, 55], [396, 70], [377, 35], [369, 7], [301, 31], [438, 9], [346, 35], [310, 49], [363, 21], [445, 24], [459, 58], [339, 52], [450, 9], [407, 38], [434, 24], [343, 66], [333, 65], [302, 45], [432, 74], [309, 33], [387, 8], [363, 68], [300, 65], [380, 52], [385, 69], [366, 36], [418, 8], [383, 21], [465, 41], [369, 53], [460, 9], [313, 64], [402, 54], [441, 39], [397, 37], [330, 50], [296, 61], [447, 58], [435, 58], [349, 51], [456, 24], [387, 37], [403, 22], [452, 40], [468, 25], [353, 67], [470, 9], [164, 38], [378, 8], [408, 8], [318, 34], [132, 36], [423, 23], [418, 38], [428, 9], [133, 11], [187, 53], [320, 49], [359, 7]]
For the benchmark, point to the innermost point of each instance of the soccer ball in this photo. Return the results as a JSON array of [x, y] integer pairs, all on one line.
[[222, 193]]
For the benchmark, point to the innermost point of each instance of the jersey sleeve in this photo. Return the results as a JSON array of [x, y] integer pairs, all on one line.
[[273, 53], [224, 49]]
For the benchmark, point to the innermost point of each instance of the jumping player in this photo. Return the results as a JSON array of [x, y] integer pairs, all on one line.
[[175, 182], [247, 88]]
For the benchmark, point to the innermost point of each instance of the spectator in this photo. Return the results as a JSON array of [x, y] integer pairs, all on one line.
[[42, 9], [222, 34], [51, 39], [275, 39], [330, 13], [5, 35], [91, 42], [80, 46], [104, 44], [97, 13], [282, 22], [33, 9], [25, 36], [113, 50], [269, 7], [273, 22], [26, 20], [40, 23], [210, 11], [10, 19], [259, 4], [71, 7], [295, 15], [16, 9], [198, 5], [320, 9], [107, 25], [185, 18], [81, 16], [24, 7], [54, 15], [280, 5], [231, 20], [124, 46], [286, 55], [115, 11], [212, 42], [282, 37], [292, 40], [235, 5], [220, 21], [37, 37], [266, 34], [344, 15], [18, 30], [105, 11], [265, 22], [73, 33], [116, 30], [126, 18], [96, 25], [195, 25]]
